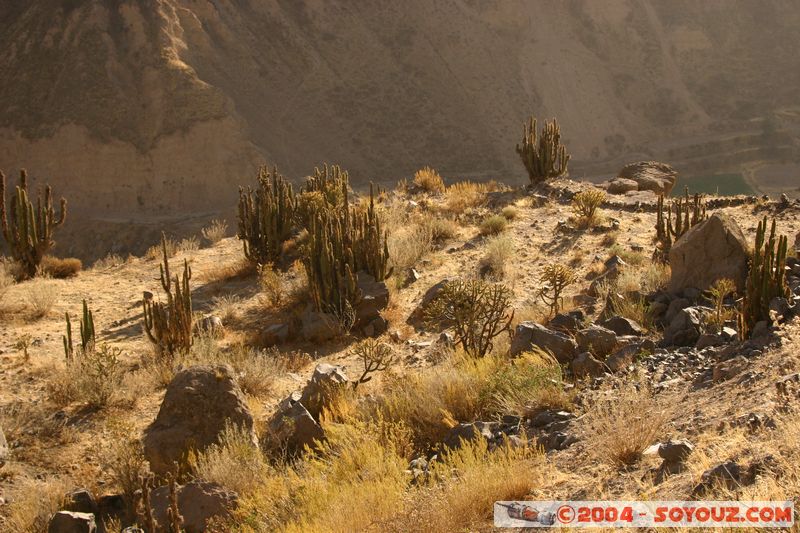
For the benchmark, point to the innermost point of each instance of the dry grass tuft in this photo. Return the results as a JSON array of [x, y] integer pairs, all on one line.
[[220, 273], [215, 231], [429, 180], [157, 252], [41, 296], [465, 195], [6, 279], [409, 244], [625, 423], [189, 244], [493, 225], [108, 262], [270, 284], [59, 268], [510, 212], [32, 504], [235, 463], [499, 249]]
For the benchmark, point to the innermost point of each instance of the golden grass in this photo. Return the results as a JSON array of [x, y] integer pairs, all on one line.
[[33, 502], [223, 272], [108, 262], [429, 180], [499, 250], [215, 231], [465, 195], [41, 295], [58, 268], [493, 225]]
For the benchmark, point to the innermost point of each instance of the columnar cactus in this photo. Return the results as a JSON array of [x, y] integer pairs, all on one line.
[[28, 230], [766, 280], [688, 212], [266, 216], [544, 157], [169, 325], [87, 334]]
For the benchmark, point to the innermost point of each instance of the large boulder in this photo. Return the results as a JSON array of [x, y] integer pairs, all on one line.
[[623, 326], [324, 382], [71, 522], [198, 404], [530, 335], [712, 250], [597, 340], [650, 176], [198, 502]]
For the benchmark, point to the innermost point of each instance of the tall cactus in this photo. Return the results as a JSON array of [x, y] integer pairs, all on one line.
[[766, 279], [169, 325], [28, 230], [266, 216], [341, 243], [87, 334], [544, 156], [687, 211]]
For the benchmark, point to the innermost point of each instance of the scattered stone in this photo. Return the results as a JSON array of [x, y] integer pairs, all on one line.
[[585, 365], [623, 326], [530, 335], [726, 370], [597, 340], [70, 522], [198, 502], [675, 307], [324, 382], [199, 402], [712, 250], [545, 418], [318, 326], [729, 334], [675, 450], [726, 475], [294, 428], [557, 440], [708, 340]]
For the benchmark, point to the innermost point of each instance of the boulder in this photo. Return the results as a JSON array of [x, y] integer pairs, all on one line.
[[623, 326], [198, 404], [712, 250], [675, 307], [530, 335], [293, 428], [81, 501], [567, 322], [324, 382], [374, 299], [585, 365], [625, 356], [469, 432], [71, 522], [198, 502], [621, 186], [318, 326], [725, 475], [675, 450], [650, 176], [685, 328], [597, 340], [418, 315]]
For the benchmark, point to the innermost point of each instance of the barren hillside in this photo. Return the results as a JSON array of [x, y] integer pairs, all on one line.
[[163, 106]]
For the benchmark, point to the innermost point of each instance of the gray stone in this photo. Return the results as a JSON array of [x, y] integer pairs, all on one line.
[[726, 475], [712, 250], [675, 307], [708, 340], [652, 176], [294, 429], [621, 186], [585, 365], [530, 335], [324, 383], [198, 404], [597, 340], [566, 322], [70, 522], [684, 329], [374, 299], [469, 432], [198, 502], [675, 450], [623, 326], [81, 501], [545, 418], [430, 295]]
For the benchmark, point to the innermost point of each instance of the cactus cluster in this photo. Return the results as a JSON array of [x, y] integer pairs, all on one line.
[[87, 334], [169, 325], [544, 156], [681, 214], [266, 216], [766, 279], [555, 278], [28, 228], [341, 243]]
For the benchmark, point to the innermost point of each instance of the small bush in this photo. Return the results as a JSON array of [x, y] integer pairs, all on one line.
[[42, 295], [479, 312], [429, 180], [509, 212], [407, 245], [499, 249], [440, 228], [227, 307], [58, 268], [464, 195], [493, 225], [189, 244], [554, 279], [124, 459], [107, 262], [92, 378], [269, 281], [156, 251], [215, 231], [624, 424], [585, 205]]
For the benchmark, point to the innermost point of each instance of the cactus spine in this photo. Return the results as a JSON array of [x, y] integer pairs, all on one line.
[[687, 211], [766, 279], [28, 230], [87, 334], [266, 216], [169, 325], [544, 157]]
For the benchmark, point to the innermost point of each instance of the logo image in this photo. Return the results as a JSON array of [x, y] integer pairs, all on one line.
[[518, 511]]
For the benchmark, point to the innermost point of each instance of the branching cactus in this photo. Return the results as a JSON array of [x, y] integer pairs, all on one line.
[[766, 280], [169, 325], [544, 156], [266, 217], [28, 229], [681, 215], [87, 334]]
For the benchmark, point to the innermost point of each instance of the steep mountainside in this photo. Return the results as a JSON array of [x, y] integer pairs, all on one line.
[[156, 106]]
